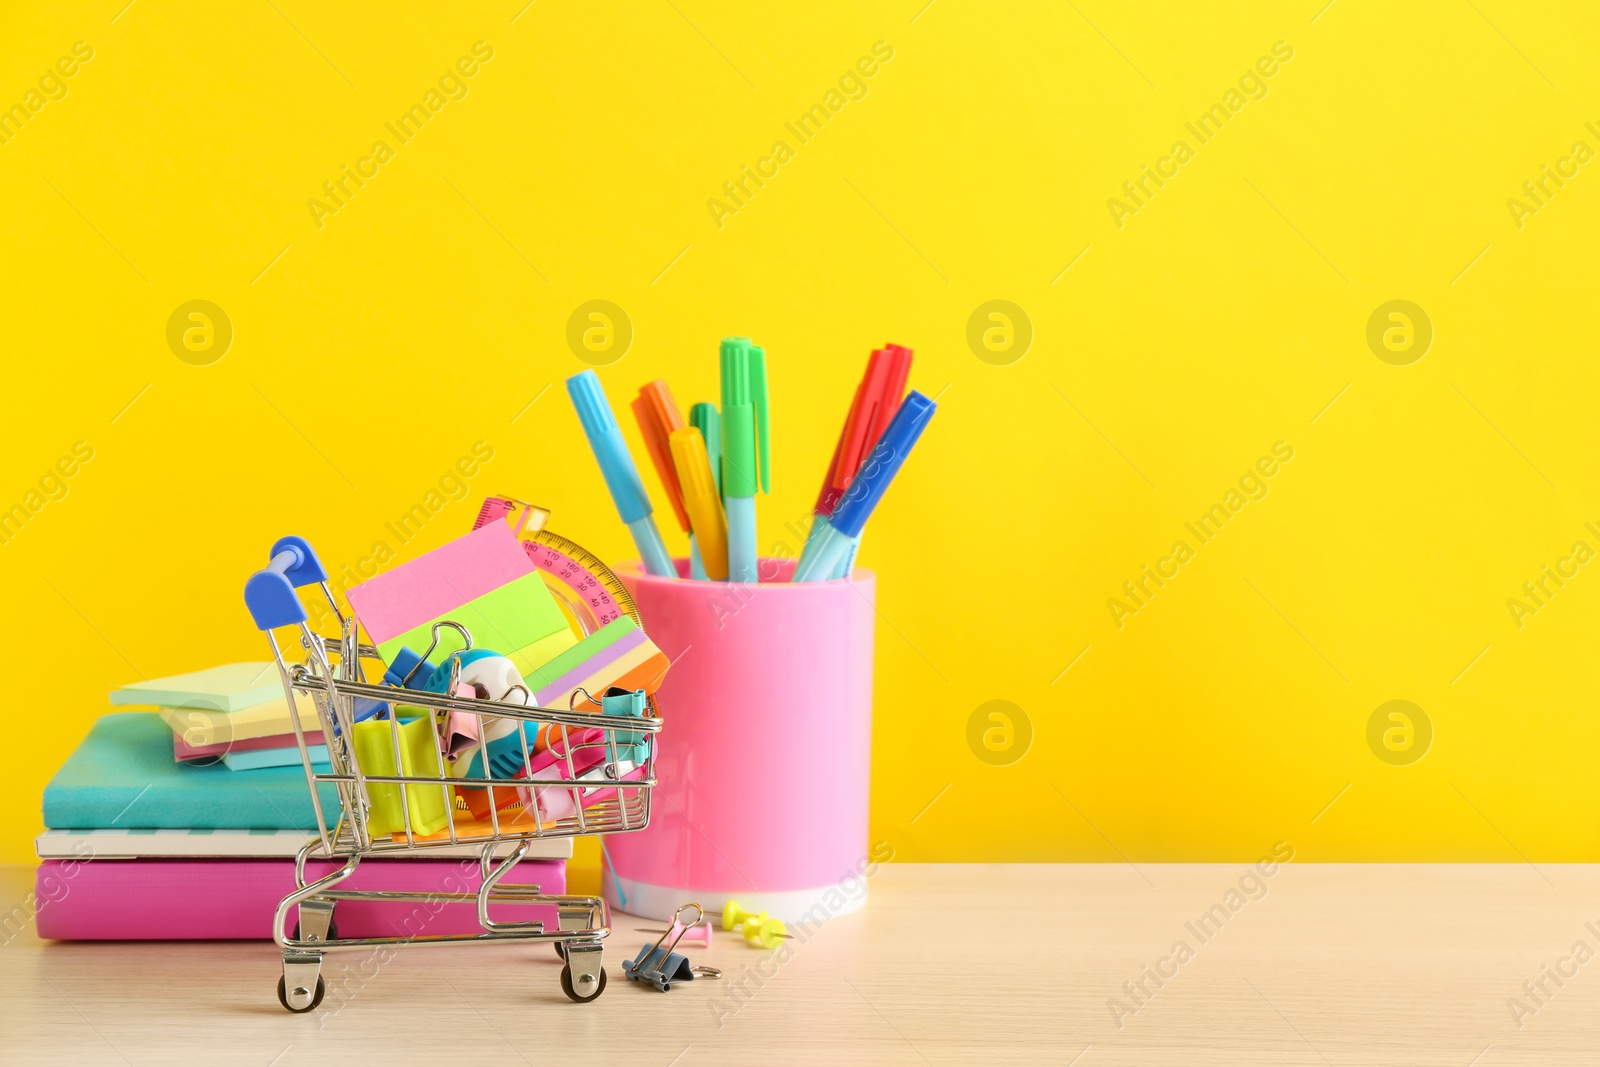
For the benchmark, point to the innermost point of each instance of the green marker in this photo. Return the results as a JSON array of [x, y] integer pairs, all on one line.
[[704, 418], [745, 446]]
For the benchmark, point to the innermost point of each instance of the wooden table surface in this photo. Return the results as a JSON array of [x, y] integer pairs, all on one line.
[[1319, 964]]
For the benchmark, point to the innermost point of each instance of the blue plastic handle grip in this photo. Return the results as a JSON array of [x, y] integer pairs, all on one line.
[[870, 483], [269, 594], [610, 450], [292, 557]]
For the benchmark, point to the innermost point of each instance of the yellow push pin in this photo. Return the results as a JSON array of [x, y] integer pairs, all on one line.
[[733, 916], [765, 932]]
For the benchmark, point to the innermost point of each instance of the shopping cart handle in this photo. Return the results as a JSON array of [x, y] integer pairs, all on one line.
[[269, 594]]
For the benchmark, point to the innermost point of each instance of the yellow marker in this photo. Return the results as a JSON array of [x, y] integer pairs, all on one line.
[[701, 500]]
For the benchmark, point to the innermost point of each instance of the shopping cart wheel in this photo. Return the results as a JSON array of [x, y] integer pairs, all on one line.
[[581, 998], [316, 996], [333, 932], [560, 947]]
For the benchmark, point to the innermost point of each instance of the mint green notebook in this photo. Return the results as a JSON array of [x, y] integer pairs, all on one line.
[[123, 776]]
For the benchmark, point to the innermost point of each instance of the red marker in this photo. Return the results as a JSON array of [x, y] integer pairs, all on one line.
[[877, 399]]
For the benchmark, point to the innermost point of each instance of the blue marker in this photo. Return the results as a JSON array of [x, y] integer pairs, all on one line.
[[867, 488], [622, 477]]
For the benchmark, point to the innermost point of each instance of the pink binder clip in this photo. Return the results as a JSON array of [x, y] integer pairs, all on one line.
[[698, 934], [460, 731], [589, 763]]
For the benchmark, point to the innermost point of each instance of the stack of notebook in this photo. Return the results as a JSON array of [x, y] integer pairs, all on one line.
[[145, 844]]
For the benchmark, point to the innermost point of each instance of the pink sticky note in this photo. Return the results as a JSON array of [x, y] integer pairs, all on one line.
[[439, 582]]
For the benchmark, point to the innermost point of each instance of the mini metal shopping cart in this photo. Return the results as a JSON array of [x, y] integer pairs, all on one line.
[[607, 792]]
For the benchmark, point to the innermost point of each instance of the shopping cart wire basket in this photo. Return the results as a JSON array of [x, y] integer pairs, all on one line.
[[580, 772]]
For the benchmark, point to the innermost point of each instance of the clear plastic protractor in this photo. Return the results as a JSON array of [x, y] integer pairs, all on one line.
[[590, 590]]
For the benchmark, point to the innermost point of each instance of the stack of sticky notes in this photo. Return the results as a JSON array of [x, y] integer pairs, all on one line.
[[483, 582], [618, 654], [235, 715]]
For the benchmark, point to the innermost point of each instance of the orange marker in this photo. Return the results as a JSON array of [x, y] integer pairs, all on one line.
[[659, 418]]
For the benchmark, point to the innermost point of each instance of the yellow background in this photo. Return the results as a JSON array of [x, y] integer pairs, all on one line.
[[1225, 316]]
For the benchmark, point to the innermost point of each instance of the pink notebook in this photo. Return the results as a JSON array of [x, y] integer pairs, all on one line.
[[168, 899]]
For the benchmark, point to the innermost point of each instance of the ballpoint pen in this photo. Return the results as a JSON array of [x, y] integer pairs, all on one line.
[[658, 417], [621, 476], [701, 499], [867, 488], [746, 463]]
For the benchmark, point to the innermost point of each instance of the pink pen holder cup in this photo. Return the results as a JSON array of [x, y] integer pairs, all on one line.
[[764, 755]]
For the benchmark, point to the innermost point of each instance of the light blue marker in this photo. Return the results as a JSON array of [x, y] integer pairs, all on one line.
[[622, 477], [848, 563], [819, 522]]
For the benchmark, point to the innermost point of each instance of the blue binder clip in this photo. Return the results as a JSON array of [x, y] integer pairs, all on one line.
[[631, 746], [659, 965], [630, 743], [409, 670]]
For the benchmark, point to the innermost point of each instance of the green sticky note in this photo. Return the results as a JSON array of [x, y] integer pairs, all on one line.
[[515, 616], [226, 688]]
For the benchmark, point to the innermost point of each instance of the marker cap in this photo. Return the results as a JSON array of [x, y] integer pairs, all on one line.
[[746, 438], [658, 418], [856, 444], [704, 417], [880, 468], [610, 451], [898, 373]]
